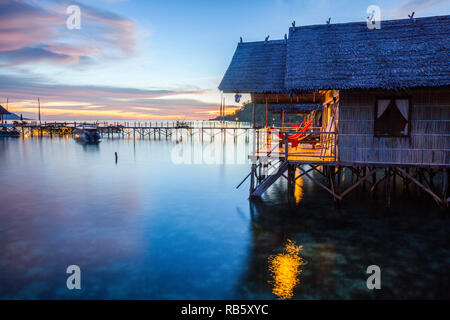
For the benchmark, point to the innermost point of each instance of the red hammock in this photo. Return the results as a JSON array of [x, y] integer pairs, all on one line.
[[281, 135], [294, 126], [294, 139]]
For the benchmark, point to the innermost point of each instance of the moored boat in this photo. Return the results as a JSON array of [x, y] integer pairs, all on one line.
[[8, 130], [87, 133]]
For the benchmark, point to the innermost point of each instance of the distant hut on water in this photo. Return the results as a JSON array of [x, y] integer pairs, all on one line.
[[3, 112]]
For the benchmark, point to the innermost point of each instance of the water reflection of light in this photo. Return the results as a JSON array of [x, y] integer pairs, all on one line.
[[298, 188], [285, 269]]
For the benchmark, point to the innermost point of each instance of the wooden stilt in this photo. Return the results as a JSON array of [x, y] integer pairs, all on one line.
[[340, 171], [431, 174], [364, 169], [394, 181], [420, 179], [347, 191], [332, 175], [405, 182], [289, 183], [319, 183], [387, 185], [445, 187], [422, 187], [374, 183]]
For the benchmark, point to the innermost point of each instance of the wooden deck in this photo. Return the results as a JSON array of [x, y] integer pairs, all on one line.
[[316, 146], [303, 153]]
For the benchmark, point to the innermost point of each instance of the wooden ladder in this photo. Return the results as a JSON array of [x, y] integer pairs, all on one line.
[[269, 180]]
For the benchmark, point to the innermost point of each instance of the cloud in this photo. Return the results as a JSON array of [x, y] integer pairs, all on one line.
[[108, 27], [28, 55], [61, 102], [22, 25], [31, 32]]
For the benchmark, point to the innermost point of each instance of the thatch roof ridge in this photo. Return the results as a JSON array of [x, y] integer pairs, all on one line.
[[256, 67], [269, 42], [364, 23]]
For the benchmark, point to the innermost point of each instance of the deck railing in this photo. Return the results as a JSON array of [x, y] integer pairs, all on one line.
[[314, 145]]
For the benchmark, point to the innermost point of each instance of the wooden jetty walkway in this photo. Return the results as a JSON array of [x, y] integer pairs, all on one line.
[[156, 130]]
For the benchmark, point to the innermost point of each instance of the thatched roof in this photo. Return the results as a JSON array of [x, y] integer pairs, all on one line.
[[3, 110], [403, 53], [256, 67], [293, 108]]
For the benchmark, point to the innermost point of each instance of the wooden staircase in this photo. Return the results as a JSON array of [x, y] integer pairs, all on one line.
[[269, 180]]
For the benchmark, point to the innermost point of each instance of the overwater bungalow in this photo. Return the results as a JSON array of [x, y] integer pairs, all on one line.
[[377, 104], [3, 112], [6, 130]]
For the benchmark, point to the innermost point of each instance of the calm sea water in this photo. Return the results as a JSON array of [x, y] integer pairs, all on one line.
[[148, 228]]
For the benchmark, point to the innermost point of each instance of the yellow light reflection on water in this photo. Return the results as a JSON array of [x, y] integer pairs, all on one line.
[[298, 189], [285, 270]]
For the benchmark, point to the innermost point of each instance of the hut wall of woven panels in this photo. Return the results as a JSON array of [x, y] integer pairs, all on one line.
[[426, 141]]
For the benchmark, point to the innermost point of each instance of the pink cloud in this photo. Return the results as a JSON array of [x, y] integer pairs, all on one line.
[[31, 33], [99, 102]]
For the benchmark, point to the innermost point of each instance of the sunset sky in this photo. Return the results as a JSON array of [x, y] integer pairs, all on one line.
[[136, 59]]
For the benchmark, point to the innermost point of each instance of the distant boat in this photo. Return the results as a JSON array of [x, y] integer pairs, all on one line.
[[87, 133], [8, 130]]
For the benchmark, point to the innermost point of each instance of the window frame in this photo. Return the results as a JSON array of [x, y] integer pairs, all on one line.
[[393, 97]]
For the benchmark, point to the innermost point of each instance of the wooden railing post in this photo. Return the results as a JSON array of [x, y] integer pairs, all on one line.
[[257, 140], [286, 147], [335, 146]]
